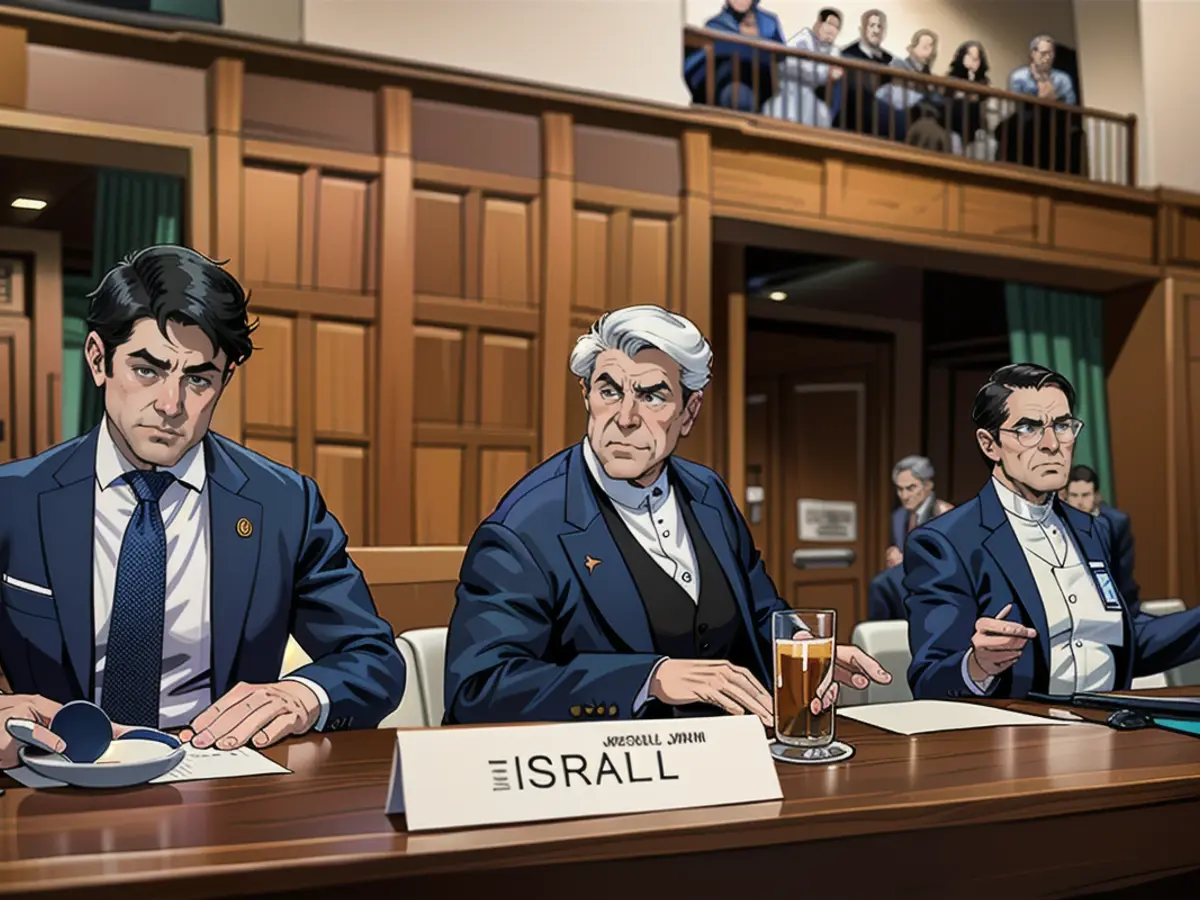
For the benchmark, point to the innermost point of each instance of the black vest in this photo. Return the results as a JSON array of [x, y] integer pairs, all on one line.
[[711, 628]]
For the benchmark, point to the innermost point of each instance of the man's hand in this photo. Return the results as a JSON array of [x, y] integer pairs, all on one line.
[[996, 645], [892, 556], [680, 681], [856, 668], [35, 709], [836, 72], [262, 713], [1046, 90]]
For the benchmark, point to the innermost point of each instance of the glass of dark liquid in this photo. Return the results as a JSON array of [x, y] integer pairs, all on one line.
[[804, 659]]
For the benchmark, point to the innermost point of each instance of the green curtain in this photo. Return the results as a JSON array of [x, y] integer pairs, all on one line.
[[75, 303], [1065, 332], [134, 210], [203, 10]]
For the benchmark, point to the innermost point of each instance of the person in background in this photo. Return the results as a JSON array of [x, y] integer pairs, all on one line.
[[860, 87], [810, 91], [1012, 592], [885, 595], [1083, 493], [745, 18], [1040, 78], [872, 32], [902, 103], [913, 480], [970, 63]]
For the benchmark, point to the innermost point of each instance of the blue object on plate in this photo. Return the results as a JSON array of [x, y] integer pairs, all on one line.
[[86, 729], [1183, 726], [150, 734]]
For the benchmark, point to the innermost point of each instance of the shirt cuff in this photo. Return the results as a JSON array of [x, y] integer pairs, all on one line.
[[978, 688], [643, 696], [322, 698]]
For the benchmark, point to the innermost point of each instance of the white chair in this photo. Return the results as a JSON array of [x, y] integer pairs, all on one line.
[[888, 643], [411, 711], [1187, 675], [429, 654], [1146, 682]]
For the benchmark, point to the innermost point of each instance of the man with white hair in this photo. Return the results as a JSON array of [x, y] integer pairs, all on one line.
[[1040, 78], [913, 480], [616, 580]]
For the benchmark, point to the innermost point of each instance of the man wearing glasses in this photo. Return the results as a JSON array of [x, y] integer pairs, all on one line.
[[1013, 592]]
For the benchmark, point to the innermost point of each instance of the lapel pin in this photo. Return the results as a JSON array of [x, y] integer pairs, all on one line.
[[590, 563], [244, 528]]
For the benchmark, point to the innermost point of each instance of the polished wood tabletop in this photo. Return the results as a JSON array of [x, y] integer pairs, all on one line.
[[1048, 811]]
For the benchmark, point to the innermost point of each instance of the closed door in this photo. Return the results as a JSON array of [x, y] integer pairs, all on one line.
[[825, 517], [16, 419]]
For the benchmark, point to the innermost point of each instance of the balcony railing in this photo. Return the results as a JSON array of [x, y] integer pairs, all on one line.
[[930, 112]]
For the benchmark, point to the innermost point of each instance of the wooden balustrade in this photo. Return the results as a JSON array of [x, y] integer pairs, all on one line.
[[930, 112]]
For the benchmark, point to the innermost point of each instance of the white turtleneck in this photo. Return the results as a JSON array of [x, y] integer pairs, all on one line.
[[1081, 627]]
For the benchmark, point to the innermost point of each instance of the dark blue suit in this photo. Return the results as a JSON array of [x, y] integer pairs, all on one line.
[[968, 563], [1122, 553], [536, 636], [290, 575], [885, 595], [695, 65], [899, 527]]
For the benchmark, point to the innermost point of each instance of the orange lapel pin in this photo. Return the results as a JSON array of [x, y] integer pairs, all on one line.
[[590, 563]]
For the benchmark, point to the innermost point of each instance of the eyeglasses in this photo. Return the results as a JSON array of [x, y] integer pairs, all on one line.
[[1065, 432]]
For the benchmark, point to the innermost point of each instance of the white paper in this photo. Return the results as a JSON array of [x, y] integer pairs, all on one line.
[[471, 777], [197, 765], [927, 716]]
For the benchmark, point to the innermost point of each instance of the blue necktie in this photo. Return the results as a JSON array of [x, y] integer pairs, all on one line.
[[133, 657]]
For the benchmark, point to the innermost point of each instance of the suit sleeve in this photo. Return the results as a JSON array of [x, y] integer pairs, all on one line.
[[764, 599], [1164, 642], [501, 633], [355, 659], [1123, 559], [942, 610]]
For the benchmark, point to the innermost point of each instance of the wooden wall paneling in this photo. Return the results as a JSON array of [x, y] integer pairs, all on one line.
[[14, 67], [619, 240], [697, 262], [1183, 359], [1190, 579], [225, 97], [395, 461], [734, 371], [558, 256]]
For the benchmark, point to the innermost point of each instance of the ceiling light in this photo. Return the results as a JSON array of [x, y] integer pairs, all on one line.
[[778, 295], [28, 203]]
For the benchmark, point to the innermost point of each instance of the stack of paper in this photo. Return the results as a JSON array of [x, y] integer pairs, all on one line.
[[927, 716], [196, 765]]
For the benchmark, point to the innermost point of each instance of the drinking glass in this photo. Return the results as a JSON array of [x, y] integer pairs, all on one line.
[[804, 664]]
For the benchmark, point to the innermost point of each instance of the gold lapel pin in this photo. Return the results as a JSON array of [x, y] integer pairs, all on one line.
[[244, 528], [590, 563]]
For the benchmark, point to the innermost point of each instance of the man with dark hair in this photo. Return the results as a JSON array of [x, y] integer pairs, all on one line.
[[1012, 592], [1083, 493], [158, 569]]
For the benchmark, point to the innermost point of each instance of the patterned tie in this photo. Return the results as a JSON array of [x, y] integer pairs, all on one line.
[[133, 658]]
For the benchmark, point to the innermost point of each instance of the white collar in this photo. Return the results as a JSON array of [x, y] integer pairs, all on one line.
[[111, 463], [626, 493], [926, 505], [1022, 508]]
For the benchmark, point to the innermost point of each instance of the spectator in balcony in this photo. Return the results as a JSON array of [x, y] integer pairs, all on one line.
[[902, 102], [860, 88], [1040, 79], [810, 91], [745, 18], [970, 63]]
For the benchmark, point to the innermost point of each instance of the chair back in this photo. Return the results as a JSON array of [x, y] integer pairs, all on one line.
[[429, 659], [887, 641]]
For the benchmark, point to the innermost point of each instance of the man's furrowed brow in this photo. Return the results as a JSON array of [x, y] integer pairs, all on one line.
[[146, 357], [605, 378]]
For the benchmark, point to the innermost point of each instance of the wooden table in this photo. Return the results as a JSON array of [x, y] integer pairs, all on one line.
[[1013, 812]]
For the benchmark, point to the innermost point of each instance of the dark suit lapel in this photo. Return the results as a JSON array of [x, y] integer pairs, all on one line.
[[235, 523], [66, 516], [1010, 559], [598, 563]]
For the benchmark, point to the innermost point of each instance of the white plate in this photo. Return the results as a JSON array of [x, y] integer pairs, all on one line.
[[126, 763]]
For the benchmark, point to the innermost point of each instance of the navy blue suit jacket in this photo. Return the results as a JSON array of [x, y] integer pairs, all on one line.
[[695, 65], [1122, 553], [885, 595], [290, 575], [968, 563], [899, 527], [536, 636]]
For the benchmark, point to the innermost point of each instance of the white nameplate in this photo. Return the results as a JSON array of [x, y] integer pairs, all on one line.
[[471, 777]]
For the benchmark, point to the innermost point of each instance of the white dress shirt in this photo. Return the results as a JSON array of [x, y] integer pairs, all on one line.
[[652, 516], [186, 688], [1081, 628]]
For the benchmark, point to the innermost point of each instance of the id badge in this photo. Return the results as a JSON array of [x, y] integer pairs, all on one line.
[[1108, 590]]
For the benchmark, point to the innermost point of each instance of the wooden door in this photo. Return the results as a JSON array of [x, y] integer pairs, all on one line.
[[16, 415], [825, 510]]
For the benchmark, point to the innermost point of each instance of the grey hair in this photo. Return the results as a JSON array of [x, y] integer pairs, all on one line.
[[1033, 45], [920, 466], [636, 328]]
